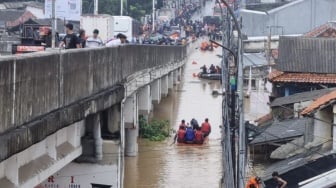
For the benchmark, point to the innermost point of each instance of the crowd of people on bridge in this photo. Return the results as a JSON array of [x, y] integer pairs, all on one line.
[[193, 133]]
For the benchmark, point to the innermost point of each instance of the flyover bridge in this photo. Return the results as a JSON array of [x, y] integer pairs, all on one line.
[[59, 106]]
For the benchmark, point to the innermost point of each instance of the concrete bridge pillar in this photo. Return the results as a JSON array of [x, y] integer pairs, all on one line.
[[164, 86], [171, 81], [175, 77], [114, 115], [130, 115], [155, 88], [97, 137], [179, 74], [145, 100]]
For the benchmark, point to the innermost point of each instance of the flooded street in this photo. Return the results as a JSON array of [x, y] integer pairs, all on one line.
[[165, 165]]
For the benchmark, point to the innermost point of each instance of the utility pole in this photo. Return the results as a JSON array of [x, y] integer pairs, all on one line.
[[95, 6], [53, 24], [153, 17], [121, 7], [242, 144]]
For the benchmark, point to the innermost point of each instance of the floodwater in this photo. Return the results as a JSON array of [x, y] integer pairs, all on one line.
[[163, 165]]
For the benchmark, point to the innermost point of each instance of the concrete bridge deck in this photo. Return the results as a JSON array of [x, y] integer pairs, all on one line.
[[49, 102]]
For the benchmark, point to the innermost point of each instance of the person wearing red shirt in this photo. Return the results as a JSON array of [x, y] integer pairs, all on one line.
[[199, 136], [206, 128], [180, 135]]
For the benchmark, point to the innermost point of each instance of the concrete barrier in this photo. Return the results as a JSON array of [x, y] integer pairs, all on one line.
[[41, 93]]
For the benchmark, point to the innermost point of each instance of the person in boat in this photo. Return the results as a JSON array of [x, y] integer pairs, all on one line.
[[194, 123], [189, 135], [206, 128], [204, 69], [218, 70], [180, 135], [199, 136], [253, 182], [280, 182], [212, 69], [183, 124]]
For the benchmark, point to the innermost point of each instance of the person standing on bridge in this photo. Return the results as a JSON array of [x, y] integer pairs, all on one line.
[[206, 128], [94, 41], [70, 40]]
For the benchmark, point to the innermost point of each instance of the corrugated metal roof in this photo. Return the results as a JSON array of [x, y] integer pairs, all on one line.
[[280, 131], [308, 55], [301, 97]]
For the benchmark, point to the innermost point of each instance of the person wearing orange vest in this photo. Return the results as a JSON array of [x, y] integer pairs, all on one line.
[[206, 128], [180, 135], [253, 182], [199, 136], [183, 124]]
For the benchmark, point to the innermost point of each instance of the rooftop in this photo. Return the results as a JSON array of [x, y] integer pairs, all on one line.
[[325, 30], [281, 131], [295, 77], [10, 15], [22, 5], [265, 118], [319, 103], [301, 97]]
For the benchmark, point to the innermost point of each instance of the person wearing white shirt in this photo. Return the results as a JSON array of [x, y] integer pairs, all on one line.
[[94, 41]]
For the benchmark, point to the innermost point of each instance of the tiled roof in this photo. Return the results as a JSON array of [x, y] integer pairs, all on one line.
[[264, 119], [315, 78], [319, 102], [320, 31]]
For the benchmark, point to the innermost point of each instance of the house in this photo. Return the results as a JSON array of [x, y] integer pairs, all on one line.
[[304, 64], [255, 71], [12, 18], [36, 8], [315, 164], [285, 20]]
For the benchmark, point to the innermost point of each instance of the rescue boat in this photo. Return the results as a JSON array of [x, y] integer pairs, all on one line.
[[209, 76]]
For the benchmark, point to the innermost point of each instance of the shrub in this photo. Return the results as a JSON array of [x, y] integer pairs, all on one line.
[[155, 130]]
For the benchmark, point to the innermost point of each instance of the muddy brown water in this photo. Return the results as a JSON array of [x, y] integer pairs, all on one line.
[[162, 165]]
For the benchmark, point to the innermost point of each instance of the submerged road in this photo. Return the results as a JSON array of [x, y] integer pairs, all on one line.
[[167, 166]]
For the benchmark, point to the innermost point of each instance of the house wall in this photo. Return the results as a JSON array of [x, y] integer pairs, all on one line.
[[297, 17], [323, 125]]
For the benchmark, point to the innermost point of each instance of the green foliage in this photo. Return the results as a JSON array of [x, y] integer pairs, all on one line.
[[156, 130]]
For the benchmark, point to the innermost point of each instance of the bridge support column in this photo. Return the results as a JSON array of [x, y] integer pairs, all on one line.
[[171, 81], [164, 86], [156, 91], [114, 118], [130, 115], [97, 137], [144, 100], [179, 74], [174, 77]]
